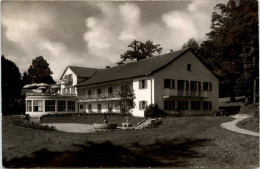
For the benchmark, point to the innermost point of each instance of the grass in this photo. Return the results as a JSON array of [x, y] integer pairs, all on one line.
[[90, 119], [177, 142], [251, 123]]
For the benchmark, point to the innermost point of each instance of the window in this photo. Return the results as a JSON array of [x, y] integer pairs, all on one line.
[[98, 92], [110, 107], [71, 105], [207, 105], [81, 106], [99, 107], [183, 105], [142, 105], [89, 93], [189, 67], [110, 91], [169, 105], [72, 90], [89, 108], [193, 88], [168, 83], [61, 105], [67, 90], [207, 86], [29, 106], [49, 105], [37, 105], [142, 84], [195, 105], [187, 88]]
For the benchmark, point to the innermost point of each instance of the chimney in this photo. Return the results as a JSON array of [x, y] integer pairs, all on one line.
[[169, 51], [107, 67]]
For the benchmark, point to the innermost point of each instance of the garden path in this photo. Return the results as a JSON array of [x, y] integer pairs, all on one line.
[[233, 127], [72, 127]]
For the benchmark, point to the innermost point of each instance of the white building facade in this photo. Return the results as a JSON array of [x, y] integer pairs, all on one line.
[[176, 81]]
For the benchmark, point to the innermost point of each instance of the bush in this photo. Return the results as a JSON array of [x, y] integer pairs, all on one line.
[[27, 124], [86, 114], [154, 111]]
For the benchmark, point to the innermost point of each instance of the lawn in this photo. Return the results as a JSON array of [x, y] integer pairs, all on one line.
[[90, 119], [251, 123], [177, 142]]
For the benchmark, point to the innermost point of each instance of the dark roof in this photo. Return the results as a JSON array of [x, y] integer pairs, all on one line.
[[82, 71], [129, 70]]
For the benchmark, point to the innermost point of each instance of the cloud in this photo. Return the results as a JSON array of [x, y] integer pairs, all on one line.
[[31, 29], [192, 22], [94, 34]]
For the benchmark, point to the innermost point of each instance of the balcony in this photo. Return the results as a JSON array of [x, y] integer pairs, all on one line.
[[99, 97], [182, 93], [67, 80]]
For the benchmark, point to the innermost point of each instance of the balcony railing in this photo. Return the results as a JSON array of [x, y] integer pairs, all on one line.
[[182, 93], [104, 96]]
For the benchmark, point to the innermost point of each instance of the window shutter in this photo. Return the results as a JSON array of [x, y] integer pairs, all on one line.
[[145, 84], [140, 105], [210, 86], [145, 104], [140, 84]]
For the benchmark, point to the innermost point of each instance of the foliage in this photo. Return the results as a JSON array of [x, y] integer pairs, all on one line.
[[82, 114], [140, 50], [232, 50], [127, 99], [39, 72], [153, 111], [11, 87], [193, 44], [38, 126]]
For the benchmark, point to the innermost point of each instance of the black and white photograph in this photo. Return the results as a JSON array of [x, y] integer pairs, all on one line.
[[130, 84]]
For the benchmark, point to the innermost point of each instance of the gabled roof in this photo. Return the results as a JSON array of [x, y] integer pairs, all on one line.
[[81, 71], [142, 67]]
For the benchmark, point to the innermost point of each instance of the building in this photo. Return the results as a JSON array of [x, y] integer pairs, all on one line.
[[176, 80], [60, 98]]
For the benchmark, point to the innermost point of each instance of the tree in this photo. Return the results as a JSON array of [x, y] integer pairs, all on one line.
[[193, 44], [11, 86], [39, 71], [25, 79], [232, 46], [140, 50], [126, 101]]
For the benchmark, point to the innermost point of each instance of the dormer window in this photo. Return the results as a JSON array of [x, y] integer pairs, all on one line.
[[189, 67]]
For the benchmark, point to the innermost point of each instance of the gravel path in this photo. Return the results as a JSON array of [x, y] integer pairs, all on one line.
[[72, 127], [233, 127]]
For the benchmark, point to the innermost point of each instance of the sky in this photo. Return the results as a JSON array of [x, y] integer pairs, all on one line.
[[94, 34]]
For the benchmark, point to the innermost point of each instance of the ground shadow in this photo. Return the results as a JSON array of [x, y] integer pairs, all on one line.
[[162, 153]]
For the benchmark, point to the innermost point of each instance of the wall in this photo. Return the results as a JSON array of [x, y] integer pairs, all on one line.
[[83, 94], [178, 70], [74, 78], [142, 94], [44, 98]]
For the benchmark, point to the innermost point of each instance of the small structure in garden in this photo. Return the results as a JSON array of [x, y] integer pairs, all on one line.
[[105, 125]]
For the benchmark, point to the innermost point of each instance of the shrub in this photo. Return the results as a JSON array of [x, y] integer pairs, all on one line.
[[153, 111], [85, 114], [38, 126]]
